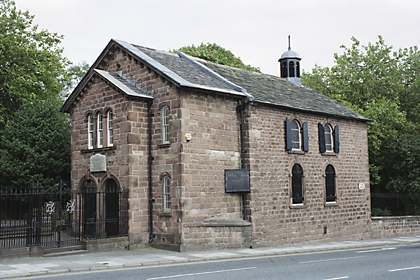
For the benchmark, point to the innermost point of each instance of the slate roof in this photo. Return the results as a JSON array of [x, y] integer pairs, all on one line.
[[278, 91], [185, 71]]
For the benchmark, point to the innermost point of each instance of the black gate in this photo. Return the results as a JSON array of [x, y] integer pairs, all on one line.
[[39, 217], [59, 217]]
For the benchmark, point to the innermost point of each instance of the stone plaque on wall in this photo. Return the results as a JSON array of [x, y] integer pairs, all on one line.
[[98, 163]]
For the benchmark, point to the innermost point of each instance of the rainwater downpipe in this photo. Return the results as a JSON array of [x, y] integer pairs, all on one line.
[[242, 109], [150, 159]]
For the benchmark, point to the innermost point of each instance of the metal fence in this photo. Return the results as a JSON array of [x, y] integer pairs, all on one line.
[[59, 217]]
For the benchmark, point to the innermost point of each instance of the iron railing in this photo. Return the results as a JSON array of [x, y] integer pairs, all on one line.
[[59, 216]]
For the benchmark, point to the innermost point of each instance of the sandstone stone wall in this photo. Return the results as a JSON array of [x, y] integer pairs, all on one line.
[[384, 227], [127, 159], [215, 146], [275, 220]]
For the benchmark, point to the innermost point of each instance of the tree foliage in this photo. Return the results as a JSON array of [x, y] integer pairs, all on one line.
[[384, 86], [35, 146], [76, 73], [217, 54], [31, 62]]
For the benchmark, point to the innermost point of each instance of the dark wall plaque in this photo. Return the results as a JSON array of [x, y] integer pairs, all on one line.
[[237, 180]]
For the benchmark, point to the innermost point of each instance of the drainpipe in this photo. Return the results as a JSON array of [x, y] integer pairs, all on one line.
[[151, 200], [242, 109]]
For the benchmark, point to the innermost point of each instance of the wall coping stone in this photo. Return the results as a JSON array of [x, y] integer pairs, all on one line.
[[219, 223]]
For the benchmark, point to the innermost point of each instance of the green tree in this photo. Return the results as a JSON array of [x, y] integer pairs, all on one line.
[[217, 54], [76, 73], [380, 84], [31, 62], [35, 146]]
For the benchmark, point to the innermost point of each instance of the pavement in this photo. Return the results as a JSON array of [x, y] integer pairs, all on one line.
[[24, 267]]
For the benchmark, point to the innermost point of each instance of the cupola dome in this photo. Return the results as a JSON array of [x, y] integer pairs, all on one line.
[[290, 66]]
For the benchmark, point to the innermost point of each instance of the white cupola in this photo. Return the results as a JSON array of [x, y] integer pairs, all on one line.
[[290, 66]]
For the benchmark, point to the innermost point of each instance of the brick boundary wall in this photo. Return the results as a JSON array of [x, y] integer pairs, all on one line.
[[383, 227]]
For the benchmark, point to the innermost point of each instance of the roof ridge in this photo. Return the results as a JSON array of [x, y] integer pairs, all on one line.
[[215, 75]]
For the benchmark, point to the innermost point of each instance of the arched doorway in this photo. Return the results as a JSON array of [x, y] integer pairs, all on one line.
[[112, 208], [88, 192]]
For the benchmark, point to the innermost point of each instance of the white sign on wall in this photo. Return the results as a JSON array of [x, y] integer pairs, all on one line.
[[98, 163]]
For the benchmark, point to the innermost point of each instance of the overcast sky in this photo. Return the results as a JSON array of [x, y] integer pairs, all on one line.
[[254, 30]]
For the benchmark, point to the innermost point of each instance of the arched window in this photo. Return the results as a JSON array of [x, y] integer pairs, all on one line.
[[100, 134], [328, 132], [330, 195], [296, 137], [164, 115], [297, 69], [297, 184], [110, 133], [284, 69], [291, 69], [166, 191], [90, 131]]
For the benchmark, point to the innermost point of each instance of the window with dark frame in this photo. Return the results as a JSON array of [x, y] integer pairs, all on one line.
[[164, 114], [166, 189], [328, 132], [297, 184], [330, 193], [296, 137], [329, 140], [110, 134], [90, 131], [100, 134]]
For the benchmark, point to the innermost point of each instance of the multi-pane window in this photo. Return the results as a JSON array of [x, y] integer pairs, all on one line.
[[329, 140], [164, 114], [328, 133], [296, 135], [166, 189], [100, 134], [330, 184], [297, 138], [297, 184], [90, 132], [110, 133]]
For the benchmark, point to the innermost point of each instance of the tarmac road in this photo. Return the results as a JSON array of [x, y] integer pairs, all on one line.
[[328, 260]]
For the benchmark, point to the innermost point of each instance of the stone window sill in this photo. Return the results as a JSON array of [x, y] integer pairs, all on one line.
[[329, 154], [330, 204], [297, 206], [164, 145], [165, 214], [296, 152], [95, 150]]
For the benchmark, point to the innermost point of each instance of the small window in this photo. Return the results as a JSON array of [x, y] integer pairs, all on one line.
[[328, 132], [90, 132], [296, 137], [291, 69], [164, 114], [110, 129], [297, 184], [329, 139], [100, 134], [330, 184], [284, 70], [166, 188], [297, 70]]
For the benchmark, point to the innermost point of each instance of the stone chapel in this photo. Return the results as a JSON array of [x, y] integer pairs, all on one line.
[[193, 155]]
